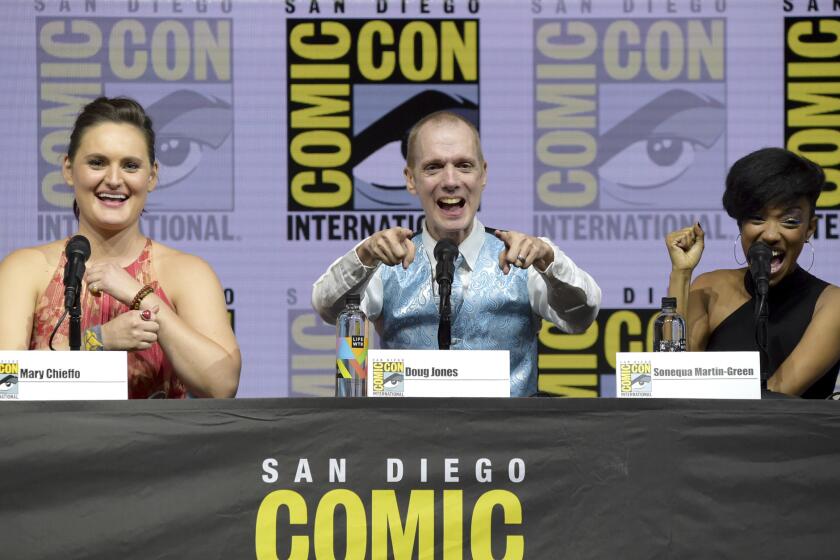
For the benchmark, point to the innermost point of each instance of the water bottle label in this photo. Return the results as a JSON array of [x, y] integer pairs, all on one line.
[[351, 357], [671, 346]]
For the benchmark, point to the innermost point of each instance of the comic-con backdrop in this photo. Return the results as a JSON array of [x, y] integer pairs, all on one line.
[[605, 124]]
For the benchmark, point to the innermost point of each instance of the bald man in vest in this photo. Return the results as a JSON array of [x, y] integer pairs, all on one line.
[[505, 282]]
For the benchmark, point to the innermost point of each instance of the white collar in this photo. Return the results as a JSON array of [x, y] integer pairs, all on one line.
[[469, 247]]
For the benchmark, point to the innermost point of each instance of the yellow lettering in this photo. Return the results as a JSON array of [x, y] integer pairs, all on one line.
[[813, 48], [582, 195], [819, 109], [463, 49], [179, 49], [568, 106], [372, 37], [481, 526], [706, 48], [320, 50], [453, 531], [127, 30], [616, 323], [386, 521], [71, 49], [428, 51], [323, 106], [620, 36], [674, 47], [356, 525], [585, 44], [212, 48], [267, 531]]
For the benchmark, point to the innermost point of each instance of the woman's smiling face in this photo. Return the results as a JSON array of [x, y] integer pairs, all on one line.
[[111, 175], [785, 229]]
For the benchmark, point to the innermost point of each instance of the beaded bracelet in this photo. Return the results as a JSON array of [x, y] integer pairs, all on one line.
[[144, 291]]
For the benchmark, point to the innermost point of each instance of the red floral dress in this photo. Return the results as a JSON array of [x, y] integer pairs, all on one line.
[[150, 374]]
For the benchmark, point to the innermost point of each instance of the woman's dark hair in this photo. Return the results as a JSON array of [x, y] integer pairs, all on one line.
[[770, 177], [120, 110]]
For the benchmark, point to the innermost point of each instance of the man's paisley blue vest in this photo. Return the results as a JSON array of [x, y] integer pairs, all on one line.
[[495, 314]]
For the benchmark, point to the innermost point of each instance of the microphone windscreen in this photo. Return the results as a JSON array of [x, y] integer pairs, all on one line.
[[759, 252], [78, 245], [445, 249]]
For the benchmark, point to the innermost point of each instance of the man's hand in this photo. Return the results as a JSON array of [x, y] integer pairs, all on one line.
[[523, 251], [685, 247], [391, 247]]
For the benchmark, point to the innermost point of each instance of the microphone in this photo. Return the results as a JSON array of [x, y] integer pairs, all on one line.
[[445, 254], [759, 256], [77, 251]]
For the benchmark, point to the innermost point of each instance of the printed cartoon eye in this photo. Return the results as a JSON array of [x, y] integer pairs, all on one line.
[[381, 143], [657, 144], [392, 381], [7, 382], [650, 163], [188, 124], [382, 166], [178, 157]]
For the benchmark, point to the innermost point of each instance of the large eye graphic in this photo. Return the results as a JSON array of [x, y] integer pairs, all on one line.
[[381, 168], [178, 158], [658, 143], [188, 124], [650, 163], [378, 182]]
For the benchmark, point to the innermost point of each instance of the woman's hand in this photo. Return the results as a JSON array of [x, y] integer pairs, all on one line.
[[685, 247], [132, 330], [112, 279]]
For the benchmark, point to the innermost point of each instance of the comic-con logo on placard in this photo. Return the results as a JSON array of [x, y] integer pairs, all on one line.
[[9, 377], [180, 71], [630, 116], [388, 377], [636, 380], [355, 89]]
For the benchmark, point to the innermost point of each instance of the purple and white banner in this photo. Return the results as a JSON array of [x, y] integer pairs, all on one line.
[[280, 126]]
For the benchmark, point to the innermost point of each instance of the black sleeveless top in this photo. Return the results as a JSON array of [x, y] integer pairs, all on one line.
[[791, 305]]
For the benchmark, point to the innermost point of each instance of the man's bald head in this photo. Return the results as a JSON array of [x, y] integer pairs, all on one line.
[[439, 117]]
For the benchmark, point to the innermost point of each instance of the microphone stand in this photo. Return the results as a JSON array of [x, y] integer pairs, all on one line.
[[445, 325], [76, 323], [761, 315]]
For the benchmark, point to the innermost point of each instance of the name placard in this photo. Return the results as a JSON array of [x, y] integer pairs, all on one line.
[[63, 375], [689, 375], [438, 373]]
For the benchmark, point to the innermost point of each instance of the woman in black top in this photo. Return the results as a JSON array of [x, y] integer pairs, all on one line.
[[772, 194]]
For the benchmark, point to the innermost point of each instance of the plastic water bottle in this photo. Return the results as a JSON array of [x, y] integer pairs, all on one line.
[[669, 328], [351, 346]]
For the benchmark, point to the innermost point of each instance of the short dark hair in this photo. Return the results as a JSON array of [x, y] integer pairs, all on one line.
[[439, 117], [120, 110], [770, 177]]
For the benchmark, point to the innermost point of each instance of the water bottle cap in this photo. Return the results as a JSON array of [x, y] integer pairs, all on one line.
[[353, 298], [669, 302]]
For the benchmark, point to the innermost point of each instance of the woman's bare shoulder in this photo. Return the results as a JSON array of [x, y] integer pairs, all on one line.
[[830, 299], [30, 269], [170, 259], [35, 259], [720, 279], [176, 268]]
